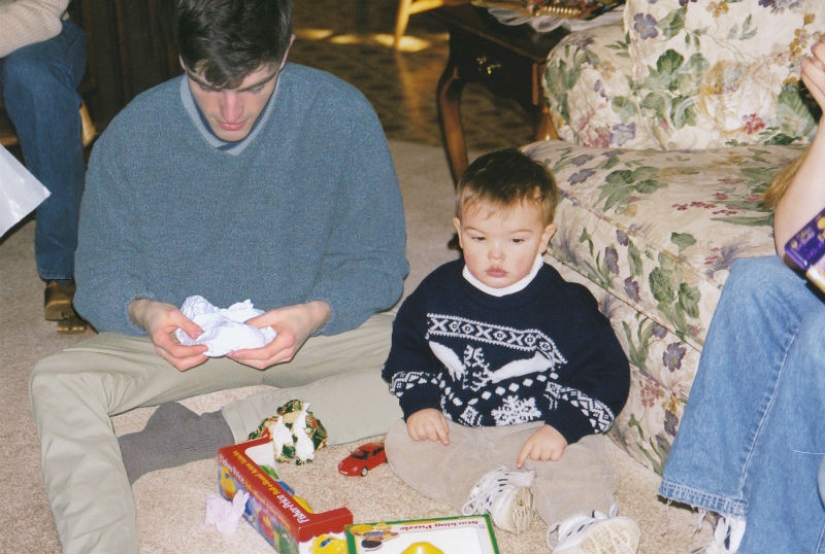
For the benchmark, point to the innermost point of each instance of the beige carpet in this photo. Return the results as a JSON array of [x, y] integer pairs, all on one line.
[[170, 503]]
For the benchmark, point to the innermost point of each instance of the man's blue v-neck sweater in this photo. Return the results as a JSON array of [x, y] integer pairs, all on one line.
[[307, 207]]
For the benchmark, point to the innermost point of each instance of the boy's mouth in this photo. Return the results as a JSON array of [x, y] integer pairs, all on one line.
[[496, 272]]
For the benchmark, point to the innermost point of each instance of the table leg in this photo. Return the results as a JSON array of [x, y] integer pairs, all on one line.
[[545, 130], [448, 96]]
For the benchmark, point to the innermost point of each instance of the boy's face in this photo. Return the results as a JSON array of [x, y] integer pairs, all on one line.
[[501, 245], [231, 113]]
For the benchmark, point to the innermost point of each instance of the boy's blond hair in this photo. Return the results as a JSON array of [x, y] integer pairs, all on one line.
[[506, 178]]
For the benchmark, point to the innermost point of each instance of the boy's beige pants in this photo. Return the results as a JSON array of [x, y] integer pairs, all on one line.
[[582, 481], [75, 392]]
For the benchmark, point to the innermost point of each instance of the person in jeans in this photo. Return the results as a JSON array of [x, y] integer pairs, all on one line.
[[751, 443], [507, 375], [246, 178], [42, 62]]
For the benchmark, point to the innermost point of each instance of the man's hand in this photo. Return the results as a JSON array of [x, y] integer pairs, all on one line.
[[428, 424], [160, 321], [546, 444], [293, 325]]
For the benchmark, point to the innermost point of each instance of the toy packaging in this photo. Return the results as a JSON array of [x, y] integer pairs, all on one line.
[[465, 534], [285, 520], [807, 250]]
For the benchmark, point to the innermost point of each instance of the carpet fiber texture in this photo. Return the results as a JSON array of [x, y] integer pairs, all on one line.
[[171, 503]]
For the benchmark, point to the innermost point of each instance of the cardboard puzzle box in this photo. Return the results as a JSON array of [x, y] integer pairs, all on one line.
[[445, 535], [285, 521]]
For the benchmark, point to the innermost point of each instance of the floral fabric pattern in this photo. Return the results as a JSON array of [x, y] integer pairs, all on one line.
[[653, 233], [678, 74]]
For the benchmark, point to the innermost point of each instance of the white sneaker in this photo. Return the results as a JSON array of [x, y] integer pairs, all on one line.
[[727, 536], [506, 496], [598, 534]]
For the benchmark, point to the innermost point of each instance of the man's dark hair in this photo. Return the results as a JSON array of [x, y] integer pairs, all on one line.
[[505, 178], [226, 40]]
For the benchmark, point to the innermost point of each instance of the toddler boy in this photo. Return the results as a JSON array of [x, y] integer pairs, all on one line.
[[507, 375]]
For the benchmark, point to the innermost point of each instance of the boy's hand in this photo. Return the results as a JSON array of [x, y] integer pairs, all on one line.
[[546, 444], [428, 424]]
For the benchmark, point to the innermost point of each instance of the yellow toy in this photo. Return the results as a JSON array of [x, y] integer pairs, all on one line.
[[422, 548], [329, 544]]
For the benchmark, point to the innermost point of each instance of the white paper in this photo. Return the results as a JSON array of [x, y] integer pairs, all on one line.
[[20, 191]]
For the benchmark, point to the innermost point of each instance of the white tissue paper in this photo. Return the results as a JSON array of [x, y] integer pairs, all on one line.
[[223, 514], [224, 329]]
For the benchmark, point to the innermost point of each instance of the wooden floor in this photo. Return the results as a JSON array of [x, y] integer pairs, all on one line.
[[353, 40]]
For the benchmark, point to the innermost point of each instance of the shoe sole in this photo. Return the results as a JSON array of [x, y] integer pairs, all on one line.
[[520, 514], [620, 537]]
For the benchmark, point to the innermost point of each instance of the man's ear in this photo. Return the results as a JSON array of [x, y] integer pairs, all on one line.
[[286, 54]]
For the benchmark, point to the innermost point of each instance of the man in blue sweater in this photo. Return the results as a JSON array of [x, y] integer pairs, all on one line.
[[248, 178]]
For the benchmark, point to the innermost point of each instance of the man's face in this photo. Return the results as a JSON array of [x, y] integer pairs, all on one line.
[[231, 113]]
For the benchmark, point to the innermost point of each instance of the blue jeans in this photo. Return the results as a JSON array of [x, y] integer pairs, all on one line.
[[752, 438], [38, 84]]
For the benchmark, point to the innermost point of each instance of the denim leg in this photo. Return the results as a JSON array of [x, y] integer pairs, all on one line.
[[39, 88], [751, 440]]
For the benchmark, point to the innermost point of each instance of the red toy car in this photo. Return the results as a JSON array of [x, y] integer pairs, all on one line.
[[366, 457]]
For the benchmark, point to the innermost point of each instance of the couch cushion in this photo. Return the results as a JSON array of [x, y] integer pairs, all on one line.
[[653, 234], [659, 229], [685, 74], [708, 74]]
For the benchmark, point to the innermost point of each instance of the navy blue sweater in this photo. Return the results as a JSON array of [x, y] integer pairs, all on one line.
[[543, 353]]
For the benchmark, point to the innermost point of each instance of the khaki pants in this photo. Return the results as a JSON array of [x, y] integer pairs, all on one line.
[[75, 392], [583, 479]]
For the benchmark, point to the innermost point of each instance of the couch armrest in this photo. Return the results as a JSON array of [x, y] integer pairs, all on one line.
[[588, 90]]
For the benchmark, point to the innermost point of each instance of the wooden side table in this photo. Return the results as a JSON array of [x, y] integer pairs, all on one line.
[[508, 60]]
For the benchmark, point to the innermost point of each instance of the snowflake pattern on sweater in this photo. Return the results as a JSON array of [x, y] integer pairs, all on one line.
[[460, 350]]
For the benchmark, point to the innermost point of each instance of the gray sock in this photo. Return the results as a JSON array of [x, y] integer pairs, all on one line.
[[173, 436]]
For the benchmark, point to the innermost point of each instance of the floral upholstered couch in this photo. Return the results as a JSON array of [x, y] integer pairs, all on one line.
[[672, 124]]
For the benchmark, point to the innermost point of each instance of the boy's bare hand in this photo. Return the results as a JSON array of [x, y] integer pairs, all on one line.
[[546, 444], [428, 424]]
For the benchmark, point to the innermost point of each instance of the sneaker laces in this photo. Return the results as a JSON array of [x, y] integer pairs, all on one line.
[[578, 524], [491, 486], [727, 536]]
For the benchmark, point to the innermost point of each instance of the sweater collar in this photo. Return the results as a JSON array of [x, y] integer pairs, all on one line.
[[518, 286]]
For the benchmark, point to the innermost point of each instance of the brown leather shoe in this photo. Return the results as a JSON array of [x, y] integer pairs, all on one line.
[[57, 306], [57, 301]]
